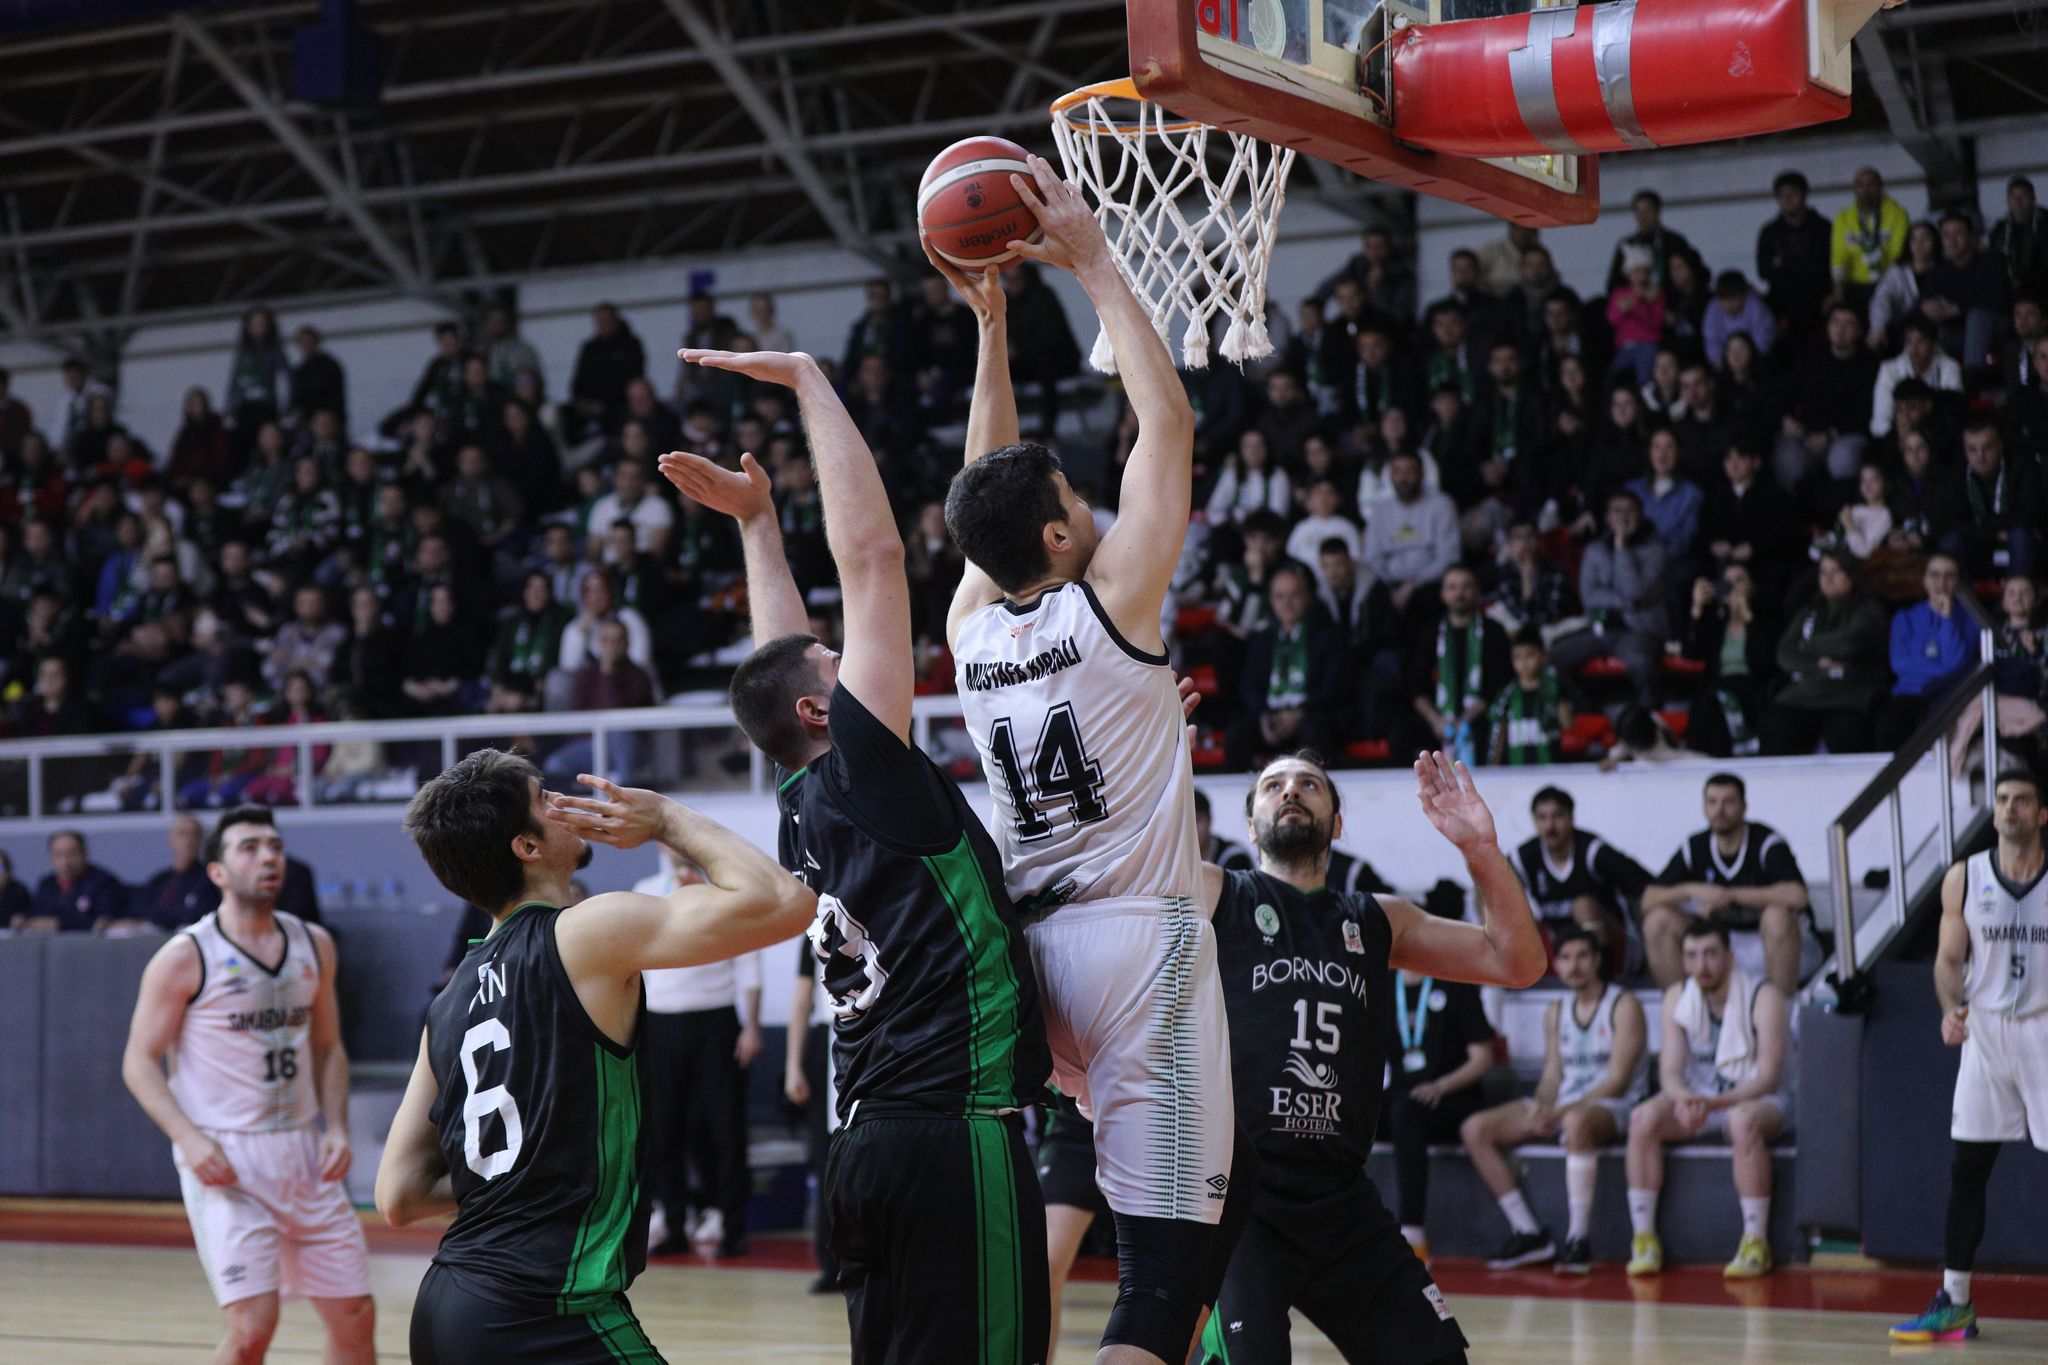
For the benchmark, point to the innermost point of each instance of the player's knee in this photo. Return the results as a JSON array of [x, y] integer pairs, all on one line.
[[351, 1321], [1742, 1127], [1472, 1132], [1662, 923], [1581, 1133], [1646, 1119], [1162, 1266], [1778, 923], [250, 1330], [1970, 1167]]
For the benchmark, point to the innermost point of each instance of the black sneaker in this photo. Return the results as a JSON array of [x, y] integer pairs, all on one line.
[[1576, 1258], [826, 1283], [1523, 1248]]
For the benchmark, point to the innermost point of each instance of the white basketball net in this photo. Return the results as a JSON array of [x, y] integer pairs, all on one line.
[[1192, 239]]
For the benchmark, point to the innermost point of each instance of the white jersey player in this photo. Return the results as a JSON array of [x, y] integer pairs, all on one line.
[[242, 1007], [1989, 976], [1064, 681], [1596, 1068]]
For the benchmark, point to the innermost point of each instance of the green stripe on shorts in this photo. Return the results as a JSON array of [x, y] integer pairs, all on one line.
[[1000, 1273]]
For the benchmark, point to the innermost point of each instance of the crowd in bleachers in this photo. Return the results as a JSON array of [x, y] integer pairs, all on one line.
[[1502, 520]]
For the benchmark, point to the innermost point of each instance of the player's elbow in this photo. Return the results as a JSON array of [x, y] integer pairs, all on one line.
[[878, 554], [796, 905], [393, 1205]]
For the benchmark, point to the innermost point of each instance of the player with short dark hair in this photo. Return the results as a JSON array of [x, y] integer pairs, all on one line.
[[1988, 975], [1737, 873], [1309, 976], [937, 1224], [1575, 876], [523, 1115], [1725, 1068], [1596, 1067], [241, 1005], [1068, 695]]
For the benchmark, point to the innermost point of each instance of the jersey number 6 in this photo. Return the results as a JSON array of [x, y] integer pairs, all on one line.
[[481, 1104], [1061, 773]]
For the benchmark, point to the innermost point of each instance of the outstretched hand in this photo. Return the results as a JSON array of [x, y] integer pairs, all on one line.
[[771, 367], [982, 289], [742, 494], [1451, 800], [1073, 239], [619, 817]]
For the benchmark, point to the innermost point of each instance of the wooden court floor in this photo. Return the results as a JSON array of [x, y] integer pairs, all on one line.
[[66, 1300]]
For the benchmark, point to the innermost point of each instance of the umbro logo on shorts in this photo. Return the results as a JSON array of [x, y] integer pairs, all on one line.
[[1219, 1185]]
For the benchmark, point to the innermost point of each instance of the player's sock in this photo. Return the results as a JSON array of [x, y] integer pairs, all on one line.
[[1517, 1209], [1414, 1233], [1957, 1283], [1756, 1216], [1581, 1171], [1642, 1210]]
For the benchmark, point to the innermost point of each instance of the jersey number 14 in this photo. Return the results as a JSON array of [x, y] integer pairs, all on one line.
[[1060, 773]]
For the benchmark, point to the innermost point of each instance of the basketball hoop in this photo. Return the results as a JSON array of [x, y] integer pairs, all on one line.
[[1193, 239]]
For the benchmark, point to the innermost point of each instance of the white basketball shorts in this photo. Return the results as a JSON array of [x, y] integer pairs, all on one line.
[[2002, 1085], [280, 1227], [1134, 1016]]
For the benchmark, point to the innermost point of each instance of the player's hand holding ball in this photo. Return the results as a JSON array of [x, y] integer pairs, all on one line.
[[205, 1159], [619, 817], [981, 288], [1955, 1026], [1073, 240]]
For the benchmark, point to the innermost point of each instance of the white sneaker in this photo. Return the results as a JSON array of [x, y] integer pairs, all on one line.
[[709, 1228], [657, 1226]]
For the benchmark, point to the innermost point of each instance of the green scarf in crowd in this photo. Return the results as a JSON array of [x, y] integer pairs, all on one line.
[[1452, 692], [1523, 726], [1287, 683]]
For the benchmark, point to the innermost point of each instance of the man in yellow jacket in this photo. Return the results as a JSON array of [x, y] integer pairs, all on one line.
[[1869, 236]]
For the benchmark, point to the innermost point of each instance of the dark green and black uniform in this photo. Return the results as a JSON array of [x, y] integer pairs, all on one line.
[[937, 1047], [1309, 993], [539, 1122]]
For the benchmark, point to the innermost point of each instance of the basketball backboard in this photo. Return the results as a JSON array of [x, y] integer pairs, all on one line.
[[1311, 74]]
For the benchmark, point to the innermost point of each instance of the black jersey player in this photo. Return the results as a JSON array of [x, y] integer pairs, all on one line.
[[523, 1113], [937, 1042], [1307, 973]]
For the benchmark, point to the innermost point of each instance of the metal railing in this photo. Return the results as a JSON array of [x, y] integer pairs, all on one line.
[[448, 735], [1853, 958]]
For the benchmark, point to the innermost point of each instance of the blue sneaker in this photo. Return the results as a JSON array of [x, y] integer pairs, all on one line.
[[1944, 1320]]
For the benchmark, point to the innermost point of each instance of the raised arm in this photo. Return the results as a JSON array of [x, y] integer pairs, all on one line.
[[878, 664], [745, 902], [1504, 948], [774, 606], [992, 414], [170, 980], [1133, 566]]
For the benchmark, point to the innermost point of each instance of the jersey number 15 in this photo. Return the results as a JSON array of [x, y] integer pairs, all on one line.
[[1060, 773]]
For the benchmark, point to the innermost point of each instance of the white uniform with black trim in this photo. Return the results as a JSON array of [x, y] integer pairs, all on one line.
[[2002, 1082], [242, 1070], [1588, 1054], [1085, 749]]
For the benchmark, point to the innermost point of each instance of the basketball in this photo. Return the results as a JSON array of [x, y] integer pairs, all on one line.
[[968, 207]]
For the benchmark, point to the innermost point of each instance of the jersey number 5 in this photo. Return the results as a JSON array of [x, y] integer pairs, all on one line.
[[1061, 773], [481, 1104]]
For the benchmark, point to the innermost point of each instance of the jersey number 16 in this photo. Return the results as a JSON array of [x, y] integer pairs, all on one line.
[[1060, 773]]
